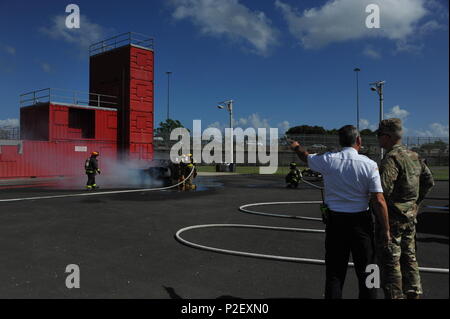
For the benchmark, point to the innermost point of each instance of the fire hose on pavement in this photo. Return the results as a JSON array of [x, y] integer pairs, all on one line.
[[245, 209], [99, 193]]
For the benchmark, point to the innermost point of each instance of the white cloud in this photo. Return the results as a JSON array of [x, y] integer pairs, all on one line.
[[397, 112], [8, 49], [9, 123], [370, 52], [439, 8], [7, 63], [283, 126], [6, 67], [434, 130], [344, 20], [439, 129], [87, 34], [407, 46], [363, 124], [229, 18], [46, 67], [218, 125], [254, 121], [431, 26]]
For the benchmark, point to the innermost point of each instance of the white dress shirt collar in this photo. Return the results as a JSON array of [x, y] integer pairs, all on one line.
[[350, 150]]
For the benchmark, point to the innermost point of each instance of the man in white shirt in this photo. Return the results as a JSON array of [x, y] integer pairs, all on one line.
[[350, 181]]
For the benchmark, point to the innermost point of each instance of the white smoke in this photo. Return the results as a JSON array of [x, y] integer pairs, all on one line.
[[125, 174], [9, 123]]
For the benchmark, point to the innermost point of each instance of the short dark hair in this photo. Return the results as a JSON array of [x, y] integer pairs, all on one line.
[[348, 135]]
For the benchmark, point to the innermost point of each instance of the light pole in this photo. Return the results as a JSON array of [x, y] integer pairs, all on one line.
[[168, 92], [357, 97], [378, 87], [229, 105]]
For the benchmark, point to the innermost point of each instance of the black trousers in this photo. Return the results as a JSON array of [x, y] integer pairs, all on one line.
[[348, 233], [91, 179]]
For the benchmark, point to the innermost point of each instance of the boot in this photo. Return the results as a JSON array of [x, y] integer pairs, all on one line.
[[412, 295]]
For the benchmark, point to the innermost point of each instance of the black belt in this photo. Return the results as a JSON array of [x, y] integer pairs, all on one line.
[[366, 212]]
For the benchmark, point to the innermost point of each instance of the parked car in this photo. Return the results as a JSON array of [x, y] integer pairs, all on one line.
[[157, 174], [310, 173]]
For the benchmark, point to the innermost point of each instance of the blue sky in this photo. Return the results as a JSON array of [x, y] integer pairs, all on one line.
[[284, 62]]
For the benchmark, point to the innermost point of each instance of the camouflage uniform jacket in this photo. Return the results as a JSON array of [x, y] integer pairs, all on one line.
[[405, 180]]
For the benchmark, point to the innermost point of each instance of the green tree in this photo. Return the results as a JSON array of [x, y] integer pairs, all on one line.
[[332, 132], [166, 127], [306, 129], [367, 132], [3, 134], [440, 145]]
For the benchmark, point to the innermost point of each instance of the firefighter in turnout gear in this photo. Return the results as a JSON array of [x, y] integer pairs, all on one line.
[[188, 167], [176, 172], [91, 168], [182, 171], [294, 176]]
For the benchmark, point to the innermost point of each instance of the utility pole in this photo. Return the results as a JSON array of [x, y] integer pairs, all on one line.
[[357, 97], [168, 93], [378, 87], [229, 105], [230, 109]]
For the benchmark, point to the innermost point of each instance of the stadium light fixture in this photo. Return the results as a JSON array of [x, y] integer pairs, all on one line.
[[357, 70], [229, 106], [378, 87], [168, 93]]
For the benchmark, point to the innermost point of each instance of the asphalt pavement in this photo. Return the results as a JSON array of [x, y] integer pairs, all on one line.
[[124, 243]]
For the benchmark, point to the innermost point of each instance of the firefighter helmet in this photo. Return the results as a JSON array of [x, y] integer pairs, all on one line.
[[293, 165], [95, 153]]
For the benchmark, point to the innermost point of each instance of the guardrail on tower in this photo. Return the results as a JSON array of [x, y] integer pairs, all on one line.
[[121, 40], [69, 97]]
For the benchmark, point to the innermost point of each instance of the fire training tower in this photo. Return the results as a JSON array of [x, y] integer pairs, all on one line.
[[122, 66], [59, 128]]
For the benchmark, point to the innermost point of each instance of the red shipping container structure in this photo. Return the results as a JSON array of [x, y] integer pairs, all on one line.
[[59, 128]]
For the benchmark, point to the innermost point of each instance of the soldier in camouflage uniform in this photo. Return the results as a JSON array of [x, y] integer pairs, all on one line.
[[405, 180]]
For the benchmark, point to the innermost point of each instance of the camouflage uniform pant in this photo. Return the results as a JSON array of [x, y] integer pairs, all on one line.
[[399, 268]]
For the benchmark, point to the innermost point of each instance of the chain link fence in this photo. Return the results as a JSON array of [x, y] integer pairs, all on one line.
[[10, 133], [433, 149]]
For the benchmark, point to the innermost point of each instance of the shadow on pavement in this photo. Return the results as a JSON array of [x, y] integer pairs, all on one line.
[[443, 241], [433, 223], [173, 294]]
